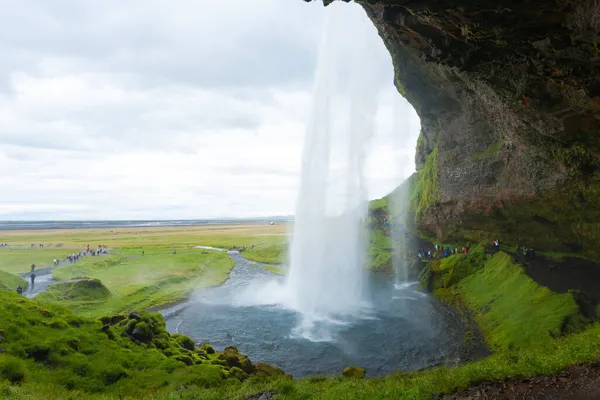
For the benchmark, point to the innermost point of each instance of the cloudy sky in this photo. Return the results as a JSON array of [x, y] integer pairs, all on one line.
[[162, 109]]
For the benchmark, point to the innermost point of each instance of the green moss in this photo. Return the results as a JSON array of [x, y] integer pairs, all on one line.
[[379, 250], [426, 187], [12, 369], [489, 152], [512, 310]]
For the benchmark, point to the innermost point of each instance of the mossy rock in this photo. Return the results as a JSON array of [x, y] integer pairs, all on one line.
[[354, 372], [238, 373], [233, 358], [208, 348], [185, 342]]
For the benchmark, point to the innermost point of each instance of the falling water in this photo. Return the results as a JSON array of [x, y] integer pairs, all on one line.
[[326, 277]]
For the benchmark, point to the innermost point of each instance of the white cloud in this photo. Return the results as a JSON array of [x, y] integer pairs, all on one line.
[[189, 109]]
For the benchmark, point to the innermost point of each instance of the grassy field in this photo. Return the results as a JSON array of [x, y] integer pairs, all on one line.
[[18, 261], [207, 235], [134, 281]]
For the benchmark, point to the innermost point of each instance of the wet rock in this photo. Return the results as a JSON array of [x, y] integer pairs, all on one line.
[[354, 372], [208, 348]]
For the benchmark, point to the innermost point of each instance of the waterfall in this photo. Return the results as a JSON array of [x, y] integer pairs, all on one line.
[[326, 277]]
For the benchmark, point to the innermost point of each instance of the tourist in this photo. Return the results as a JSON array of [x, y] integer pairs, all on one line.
[[32, 279], [32, 267], [19, 289], [142, 253]]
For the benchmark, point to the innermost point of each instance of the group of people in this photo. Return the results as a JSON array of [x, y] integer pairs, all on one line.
[[528, 252], [39, 245], [448, 251], [3, 244]]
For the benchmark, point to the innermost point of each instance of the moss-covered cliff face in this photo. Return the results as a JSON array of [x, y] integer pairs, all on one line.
[[508, 93]]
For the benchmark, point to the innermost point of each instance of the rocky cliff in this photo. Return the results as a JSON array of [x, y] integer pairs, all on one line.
[[508, 93]]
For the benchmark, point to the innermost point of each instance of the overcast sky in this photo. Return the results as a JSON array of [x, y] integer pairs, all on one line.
[[169, 109]]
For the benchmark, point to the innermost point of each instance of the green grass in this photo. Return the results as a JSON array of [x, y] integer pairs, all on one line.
[[10, 281], [513, 310], [210, 235], [76, 359], [144, 282], [53, 354], [268, 253], [18, 261], [77, 295]]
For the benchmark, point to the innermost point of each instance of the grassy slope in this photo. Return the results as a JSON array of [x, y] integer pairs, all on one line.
[[80, 357], [10, 281], [47, 351], [149, 281], [512, 310], [16, 261]]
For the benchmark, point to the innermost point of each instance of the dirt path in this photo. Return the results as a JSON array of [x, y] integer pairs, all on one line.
[[575, 383]]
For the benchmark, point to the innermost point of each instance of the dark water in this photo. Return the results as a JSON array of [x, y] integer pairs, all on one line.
[[11, 225], [405, 329]]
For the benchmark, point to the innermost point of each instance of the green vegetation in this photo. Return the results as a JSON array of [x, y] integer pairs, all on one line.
[[53, 354], [142, 282], [80, 295], [512, 310], [379, 251], [18, 261], [424, 188], [489, 152], [52, 350], [268, 253], [224, 236], [10, 281]]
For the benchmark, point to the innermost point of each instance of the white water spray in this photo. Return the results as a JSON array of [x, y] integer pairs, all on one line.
[[326, 277]]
